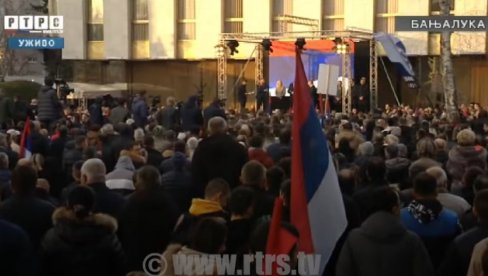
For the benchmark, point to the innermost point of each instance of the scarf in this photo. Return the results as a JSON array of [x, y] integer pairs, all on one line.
[[425, 211]]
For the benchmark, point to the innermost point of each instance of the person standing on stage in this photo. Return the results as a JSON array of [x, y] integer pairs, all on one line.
[[314, 93], [262, 95], [361, 95], [241, 95]]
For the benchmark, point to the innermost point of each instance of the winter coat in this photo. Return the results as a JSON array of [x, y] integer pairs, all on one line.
[[146, 224], [476, 265], [31, 214], [461, 158], [455, 203], [456, 262], [175, 251], [118, 115], [217, 156], [16, 255], [168, 117], [96, 115], [383, 247], [13, 157], [107, 201], [154, 157], [213, 110], [178, 186], [121, 179], [86, 246], [48, 107], [140, 112], [435, 225], [191, 115]]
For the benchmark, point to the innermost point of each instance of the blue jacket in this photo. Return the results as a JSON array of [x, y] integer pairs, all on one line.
[[140, 111]]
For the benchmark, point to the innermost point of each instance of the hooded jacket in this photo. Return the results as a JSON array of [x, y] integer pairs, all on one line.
[[48, 108], [86, 246], [122, 177], [461, 158], [383, 247]]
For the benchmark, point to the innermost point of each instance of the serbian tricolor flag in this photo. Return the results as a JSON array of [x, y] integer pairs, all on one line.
[[280, 240], [26, 141], [317, 209]]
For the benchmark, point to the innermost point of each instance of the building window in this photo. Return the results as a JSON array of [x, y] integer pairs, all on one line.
[[186, 20], [333, 11], [233, 16], [435, 9], [95, 20], [280, 8], [140, 23], [386, 10]]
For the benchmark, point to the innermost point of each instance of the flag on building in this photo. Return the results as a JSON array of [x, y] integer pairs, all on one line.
[[26, 141], [317, 209], [397, 53], [280, 241]]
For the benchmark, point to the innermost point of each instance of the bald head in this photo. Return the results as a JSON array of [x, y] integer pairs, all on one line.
[[93, 171], [217, 125]]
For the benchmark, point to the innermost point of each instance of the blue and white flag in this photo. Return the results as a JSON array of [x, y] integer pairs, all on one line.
[[396, 52]]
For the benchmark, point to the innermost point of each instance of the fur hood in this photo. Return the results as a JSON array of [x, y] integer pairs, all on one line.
[[65, 215]]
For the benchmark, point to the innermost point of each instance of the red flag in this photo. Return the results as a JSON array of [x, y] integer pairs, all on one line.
[[280, 240], [24, 139]]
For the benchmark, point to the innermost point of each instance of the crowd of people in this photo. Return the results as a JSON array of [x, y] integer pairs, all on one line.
[[95, 192]]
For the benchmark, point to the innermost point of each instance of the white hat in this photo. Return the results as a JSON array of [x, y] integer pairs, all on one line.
[[13, 132], [130, 121]]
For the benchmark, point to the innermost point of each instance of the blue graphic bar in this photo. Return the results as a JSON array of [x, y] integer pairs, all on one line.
[[36, 43]]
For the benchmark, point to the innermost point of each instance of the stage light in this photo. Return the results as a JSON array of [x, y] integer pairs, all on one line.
[[300, 43], [267, 45], [342, 48], [233, 44]]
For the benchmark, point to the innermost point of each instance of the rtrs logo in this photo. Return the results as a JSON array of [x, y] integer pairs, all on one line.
[[38, 24]]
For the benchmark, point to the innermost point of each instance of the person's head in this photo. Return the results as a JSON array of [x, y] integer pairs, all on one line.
[[376, 170], [440, 144], [441, 178], [310, 83], [24, 179], [480, 208], [391, 151], [426, 148], [365, 149], [391, 139], [80, 142], [149, 142], [48, 81], [362, 81], [217, 125], [347, 181], [170, 101], [285, 136], [285, 165], [93, 171], [253, 174], [424, 186], [3, 140], [384, 199], [274, 177], [147, 178], [480, 183], [63, 131], [209, 235], [180, 146], [466, 137], [218, 190], [81, 200], [4, 161], [241, 202], [139, 135], [256, 141]]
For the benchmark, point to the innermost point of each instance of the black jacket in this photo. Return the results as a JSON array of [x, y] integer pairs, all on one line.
[[191, 115], [82, 246], [178, 186], [107, 201], [118, 115], [383, 247], [146, 224], [13, 157], [458, 256], [16, 256], [217, 156], [168, 117], [154, 157], [48, 108], [31, 214], [213, 110]]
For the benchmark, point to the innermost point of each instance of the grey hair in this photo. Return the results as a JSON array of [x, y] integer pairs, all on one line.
[[3, 140], [440, 176], [94, 169], [217, 125], [4, 161], [107, 129], [366, 149]]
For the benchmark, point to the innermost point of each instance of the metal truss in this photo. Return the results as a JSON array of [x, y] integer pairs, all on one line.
[[355, 35], [346, 84], [373, 74]]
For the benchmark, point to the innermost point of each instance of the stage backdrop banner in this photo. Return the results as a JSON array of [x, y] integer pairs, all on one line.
[[282, 60], [328, 77]]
